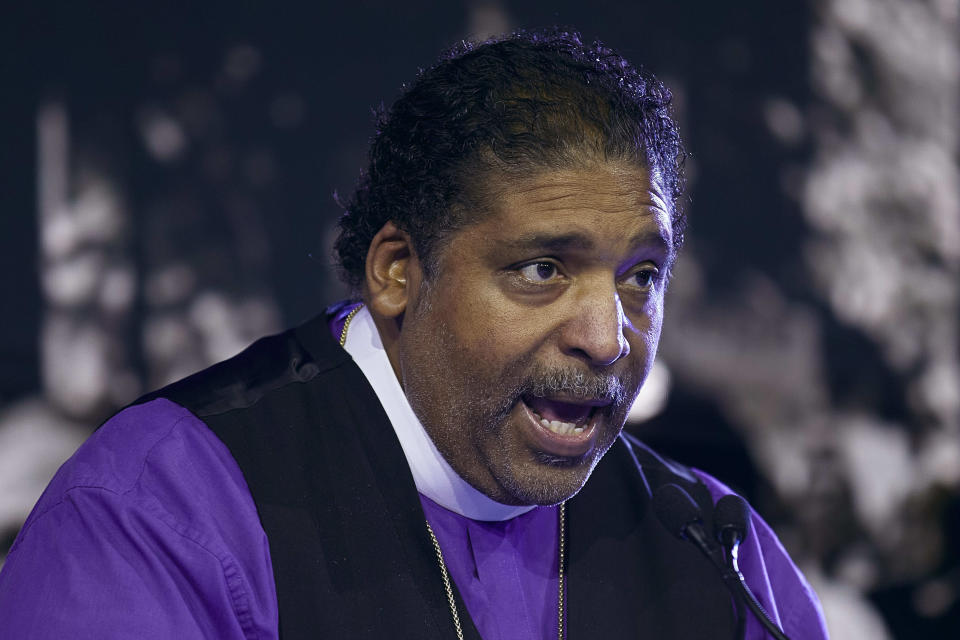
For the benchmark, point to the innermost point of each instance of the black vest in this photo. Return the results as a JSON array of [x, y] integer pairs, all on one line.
[[348, 541]]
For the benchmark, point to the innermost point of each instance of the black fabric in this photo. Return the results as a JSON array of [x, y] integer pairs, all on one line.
[[628, 576], [351, 555]]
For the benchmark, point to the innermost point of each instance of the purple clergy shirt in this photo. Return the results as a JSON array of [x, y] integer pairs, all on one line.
[[507, 572]]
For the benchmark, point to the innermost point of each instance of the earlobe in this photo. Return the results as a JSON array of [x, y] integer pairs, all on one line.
[[389, 262]]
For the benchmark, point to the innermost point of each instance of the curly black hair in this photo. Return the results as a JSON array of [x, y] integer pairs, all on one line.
[[512, 106]]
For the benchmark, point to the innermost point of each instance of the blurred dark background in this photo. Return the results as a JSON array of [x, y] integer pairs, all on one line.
[[168, 195]]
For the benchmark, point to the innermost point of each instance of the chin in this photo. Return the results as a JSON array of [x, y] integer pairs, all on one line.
[[529, 475], [550, 481]]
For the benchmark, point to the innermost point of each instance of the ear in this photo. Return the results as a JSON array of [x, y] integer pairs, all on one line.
[[392, 272]]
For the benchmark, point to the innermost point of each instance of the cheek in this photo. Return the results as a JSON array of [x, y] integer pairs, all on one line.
[[655, 323], [648, 320], [486, 332], [646, 335], [464, 348]]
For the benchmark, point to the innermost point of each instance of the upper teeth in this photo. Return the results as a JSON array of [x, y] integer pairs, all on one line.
[[563, 428]]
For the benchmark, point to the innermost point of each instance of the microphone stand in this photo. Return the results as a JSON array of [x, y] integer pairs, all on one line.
[[735, 581], [730, 562], [730, 572]]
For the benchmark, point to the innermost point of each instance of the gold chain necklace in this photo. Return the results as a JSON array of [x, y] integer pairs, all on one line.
[[436, 544]]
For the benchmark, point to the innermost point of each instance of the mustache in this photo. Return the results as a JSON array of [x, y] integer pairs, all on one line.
[[576, 385], [495, 401]]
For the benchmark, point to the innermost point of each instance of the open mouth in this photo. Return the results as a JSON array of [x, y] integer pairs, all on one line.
[[563, 418], [562, 427]]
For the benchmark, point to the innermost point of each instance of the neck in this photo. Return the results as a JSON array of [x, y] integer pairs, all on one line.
[[388, 330], [432, 474]]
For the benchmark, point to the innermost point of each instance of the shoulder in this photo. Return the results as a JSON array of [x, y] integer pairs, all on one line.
[[772, 575], [153, 509], [294, 356], [150, 529], [155, 450]]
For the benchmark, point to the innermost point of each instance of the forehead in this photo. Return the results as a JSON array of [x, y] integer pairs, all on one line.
[[587, 208]]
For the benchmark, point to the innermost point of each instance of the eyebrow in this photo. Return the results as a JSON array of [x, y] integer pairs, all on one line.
[[579, 242]]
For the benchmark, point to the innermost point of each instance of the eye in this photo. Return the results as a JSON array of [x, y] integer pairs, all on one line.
[[643, 278], [539, 271]]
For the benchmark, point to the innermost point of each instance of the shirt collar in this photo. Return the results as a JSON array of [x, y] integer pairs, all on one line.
[[434, 477]]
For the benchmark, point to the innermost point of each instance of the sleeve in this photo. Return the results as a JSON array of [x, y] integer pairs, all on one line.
[[774, 579], [94, 566]]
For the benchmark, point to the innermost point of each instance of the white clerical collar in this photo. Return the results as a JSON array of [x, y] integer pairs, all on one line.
[[434, 477]]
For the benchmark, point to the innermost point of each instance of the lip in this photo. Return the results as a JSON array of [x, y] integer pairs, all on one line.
[[590, 402], [572, 445]]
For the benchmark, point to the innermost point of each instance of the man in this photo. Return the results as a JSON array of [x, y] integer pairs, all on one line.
[[417, 465]]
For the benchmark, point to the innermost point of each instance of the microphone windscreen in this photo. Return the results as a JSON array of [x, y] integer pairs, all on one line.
[[675, 509], [731, 513]]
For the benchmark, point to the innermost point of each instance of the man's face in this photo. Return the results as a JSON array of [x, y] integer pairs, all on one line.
[[524, 352]]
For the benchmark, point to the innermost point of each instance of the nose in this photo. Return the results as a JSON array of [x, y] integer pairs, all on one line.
[[594, 330]]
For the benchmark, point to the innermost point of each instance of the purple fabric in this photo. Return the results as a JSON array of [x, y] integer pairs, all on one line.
[[506, 572], [148, 531]]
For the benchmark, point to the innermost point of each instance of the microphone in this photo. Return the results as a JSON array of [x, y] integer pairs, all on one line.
[[731, 521], [682, 517], [677, 511]]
